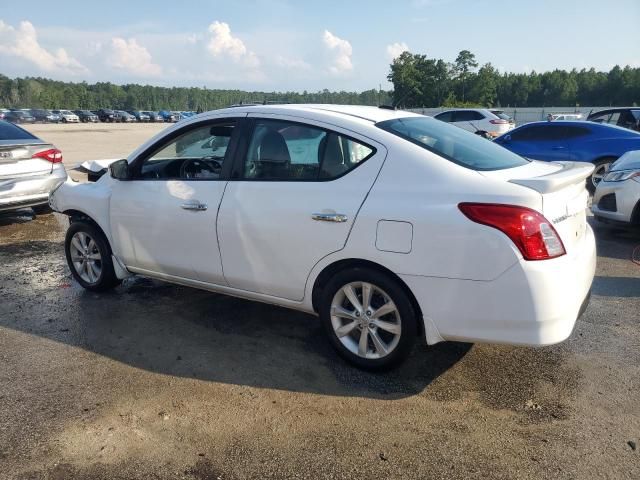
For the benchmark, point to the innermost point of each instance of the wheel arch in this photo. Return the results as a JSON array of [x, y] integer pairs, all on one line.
[[346, 263], [79, 216]]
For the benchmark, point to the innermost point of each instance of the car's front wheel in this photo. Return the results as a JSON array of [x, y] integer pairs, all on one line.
[[601, 168], [89, 257], [369, 318]]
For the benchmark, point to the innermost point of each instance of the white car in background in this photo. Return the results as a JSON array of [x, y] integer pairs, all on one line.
[[481, 121], [67, 116], [29, 169], [387, 224], [552, 117], [617, 196]]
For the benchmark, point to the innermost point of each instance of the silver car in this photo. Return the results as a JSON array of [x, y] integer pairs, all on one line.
[[29, 168], [617, 197]]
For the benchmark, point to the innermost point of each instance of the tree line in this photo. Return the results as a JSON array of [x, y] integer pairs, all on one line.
[[420, 81], [31, 92]]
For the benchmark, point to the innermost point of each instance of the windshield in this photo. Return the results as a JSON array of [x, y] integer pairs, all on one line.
[[453, 143]]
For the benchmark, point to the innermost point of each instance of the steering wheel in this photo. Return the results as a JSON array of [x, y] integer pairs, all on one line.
[[192, 166]]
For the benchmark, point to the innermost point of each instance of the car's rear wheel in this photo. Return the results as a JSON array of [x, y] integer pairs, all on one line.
[[601, 168], [89, 257], [369, 318]]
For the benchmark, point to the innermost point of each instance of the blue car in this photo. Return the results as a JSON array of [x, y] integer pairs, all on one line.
[[596, 143]]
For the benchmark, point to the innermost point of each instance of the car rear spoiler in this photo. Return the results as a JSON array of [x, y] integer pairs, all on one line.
[[570, 173]]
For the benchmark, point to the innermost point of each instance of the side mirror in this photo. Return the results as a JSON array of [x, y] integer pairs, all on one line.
[[120, 170]]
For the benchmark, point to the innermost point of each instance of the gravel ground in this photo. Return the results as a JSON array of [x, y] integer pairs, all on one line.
[[160, 381]]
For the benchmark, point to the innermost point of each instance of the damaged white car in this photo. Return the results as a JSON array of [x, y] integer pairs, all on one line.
[[388, 225]]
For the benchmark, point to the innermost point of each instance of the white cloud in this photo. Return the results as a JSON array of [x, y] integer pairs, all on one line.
[[341, 52], [223, 44], [132, 57], [291, 63], [23, 42], [395, 49]]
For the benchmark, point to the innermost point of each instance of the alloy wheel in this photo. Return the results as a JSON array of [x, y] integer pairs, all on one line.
[[85, 257], [366, 320], [599, 173]]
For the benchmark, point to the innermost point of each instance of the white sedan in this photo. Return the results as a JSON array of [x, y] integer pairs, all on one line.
[[617, 196], [389, 225]]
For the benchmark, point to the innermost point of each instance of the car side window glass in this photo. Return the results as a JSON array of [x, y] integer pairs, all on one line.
[[197, 154], [575, 132], [613, 118], [445, 116], [287, 151]]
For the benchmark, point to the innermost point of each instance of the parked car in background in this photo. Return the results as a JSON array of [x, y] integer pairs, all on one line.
[[409, 226], [19, 116], [154, 116], [86, 116], [564, 116], [3, 112], [622, 117], [617, 197], [124, 117], [67, 116], [106, 115], [139, 116], [168, 116], [47, 116], [599, 144], [478, 120], [29, 169]]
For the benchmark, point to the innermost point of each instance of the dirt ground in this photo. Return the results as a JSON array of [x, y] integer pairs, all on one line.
[[161, 381]]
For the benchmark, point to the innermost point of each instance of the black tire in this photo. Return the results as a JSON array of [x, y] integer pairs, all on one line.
[[390, 286], [107, 278], [603, 162]]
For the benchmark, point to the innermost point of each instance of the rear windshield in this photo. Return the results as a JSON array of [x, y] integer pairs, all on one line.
[[453, 143], [8, 131], [501, 115]]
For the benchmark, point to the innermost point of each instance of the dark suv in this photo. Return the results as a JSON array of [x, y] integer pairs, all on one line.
[[106, 115], [628, 117], [86, 116]]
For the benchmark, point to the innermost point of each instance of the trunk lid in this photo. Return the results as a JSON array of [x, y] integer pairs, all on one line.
[[562, 186], [16, 160]]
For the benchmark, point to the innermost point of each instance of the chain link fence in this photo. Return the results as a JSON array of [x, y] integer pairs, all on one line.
[[522, 115]]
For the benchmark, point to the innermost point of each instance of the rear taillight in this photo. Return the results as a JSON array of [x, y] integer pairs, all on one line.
[[533, 234], [52, 155], [499, 121]]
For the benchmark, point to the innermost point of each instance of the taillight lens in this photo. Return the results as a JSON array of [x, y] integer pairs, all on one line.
[[499, 121], [533, 234], [52, 155]]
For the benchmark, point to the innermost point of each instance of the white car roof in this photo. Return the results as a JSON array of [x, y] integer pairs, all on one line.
[[370, 114]]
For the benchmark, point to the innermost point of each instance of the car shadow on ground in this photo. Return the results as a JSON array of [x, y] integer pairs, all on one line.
[[185, 332], [615, 242], [17, 217]]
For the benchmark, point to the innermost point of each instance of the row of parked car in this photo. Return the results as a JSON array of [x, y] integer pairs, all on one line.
[[24, 115]]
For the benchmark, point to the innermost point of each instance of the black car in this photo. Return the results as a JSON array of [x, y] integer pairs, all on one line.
[[19, 116], [627, 117], [154, 116], [43, 115], [86, 116], [106, 115]]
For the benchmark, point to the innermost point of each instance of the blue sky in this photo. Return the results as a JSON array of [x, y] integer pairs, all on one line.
[[277, 45]]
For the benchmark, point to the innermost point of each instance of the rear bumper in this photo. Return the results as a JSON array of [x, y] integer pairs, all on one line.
[[532, 303], [28, 191]]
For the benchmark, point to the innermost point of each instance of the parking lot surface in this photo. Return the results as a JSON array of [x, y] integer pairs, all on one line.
[[161, 381]]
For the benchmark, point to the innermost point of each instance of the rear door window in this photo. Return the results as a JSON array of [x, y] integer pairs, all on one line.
[[445, 116], [452, 143], [467, 116]]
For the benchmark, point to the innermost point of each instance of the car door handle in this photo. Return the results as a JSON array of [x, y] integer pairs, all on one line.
[[330, 217], [558, 147], [194, 205]]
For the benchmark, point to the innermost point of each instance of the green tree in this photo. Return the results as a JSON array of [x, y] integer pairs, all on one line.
[[464, 64]]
